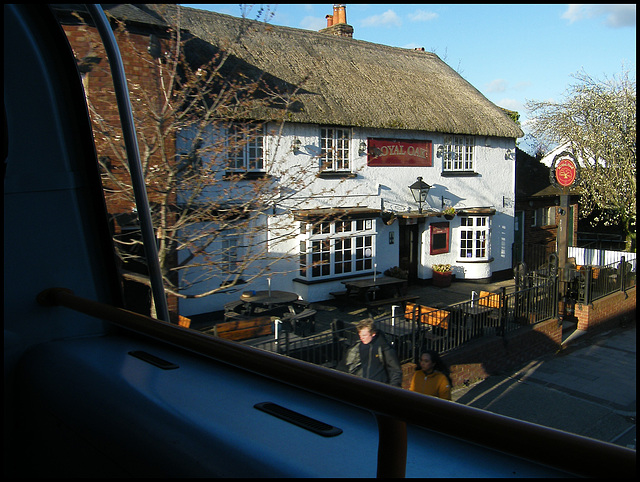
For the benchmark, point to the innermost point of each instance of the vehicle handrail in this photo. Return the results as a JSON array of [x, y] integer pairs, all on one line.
[[133, 156], [392, 406]]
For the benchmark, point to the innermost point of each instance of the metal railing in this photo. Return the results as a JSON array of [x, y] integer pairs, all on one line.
[[535, 300], [586, 284], [410, 332]]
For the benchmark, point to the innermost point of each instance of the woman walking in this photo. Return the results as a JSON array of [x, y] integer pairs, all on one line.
[[433, 377]]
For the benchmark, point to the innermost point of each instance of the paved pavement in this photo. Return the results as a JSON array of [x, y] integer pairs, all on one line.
[[588, 388]]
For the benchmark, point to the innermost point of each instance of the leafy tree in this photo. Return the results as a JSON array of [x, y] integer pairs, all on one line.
[[597, 120]]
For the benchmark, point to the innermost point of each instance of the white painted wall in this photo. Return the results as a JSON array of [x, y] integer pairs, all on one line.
[[493, 187]]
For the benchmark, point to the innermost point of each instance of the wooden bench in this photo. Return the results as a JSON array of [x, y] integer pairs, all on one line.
[[354, 294], [435, 319], [427, 315], [243, 329], [491, 300]]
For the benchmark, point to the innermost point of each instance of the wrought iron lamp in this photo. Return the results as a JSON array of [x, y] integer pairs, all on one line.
[[362, 149], [420, 189]]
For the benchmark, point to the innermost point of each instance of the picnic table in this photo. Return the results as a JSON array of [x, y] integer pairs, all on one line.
[[365, 289]]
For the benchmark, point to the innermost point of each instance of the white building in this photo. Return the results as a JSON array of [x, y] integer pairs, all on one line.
[[369, 121]]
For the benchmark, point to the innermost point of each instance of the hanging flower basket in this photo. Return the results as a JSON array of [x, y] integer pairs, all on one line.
[[449, 213]]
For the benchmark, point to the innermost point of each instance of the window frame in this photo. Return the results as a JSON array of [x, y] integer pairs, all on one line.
[[469, 246], [332, 144], [463, 146], [230, 247], [339, 248], [244, 159], [544, 216]]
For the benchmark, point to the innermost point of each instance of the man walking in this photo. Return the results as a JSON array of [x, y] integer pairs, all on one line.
[[372, 357]]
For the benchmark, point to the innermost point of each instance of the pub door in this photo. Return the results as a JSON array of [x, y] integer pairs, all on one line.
[[409, 243]]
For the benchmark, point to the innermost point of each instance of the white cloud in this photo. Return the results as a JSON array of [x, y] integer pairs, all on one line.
[[619, 15], [615, 15], [497, 85], [313, 23], [422, 16], [511, 104], [386, 19], [523, 85]]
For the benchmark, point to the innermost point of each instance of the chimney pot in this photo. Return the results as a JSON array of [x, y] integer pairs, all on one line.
[[337, 23], [329, 20], [342, 14]]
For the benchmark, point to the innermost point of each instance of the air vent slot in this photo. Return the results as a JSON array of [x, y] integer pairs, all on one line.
[[298, 419], [154, 360]]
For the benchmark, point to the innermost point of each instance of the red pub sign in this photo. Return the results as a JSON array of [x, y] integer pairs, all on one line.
[[394, 153], [566, 172]]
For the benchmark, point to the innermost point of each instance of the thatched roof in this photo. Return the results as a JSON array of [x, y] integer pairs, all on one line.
[[349, 82]]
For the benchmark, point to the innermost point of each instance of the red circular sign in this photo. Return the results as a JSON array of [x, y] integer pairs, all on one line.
[[566, 172]]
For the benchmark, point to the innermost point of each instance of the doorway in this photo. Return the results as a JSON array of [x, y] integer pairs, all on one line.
[[408, 246]]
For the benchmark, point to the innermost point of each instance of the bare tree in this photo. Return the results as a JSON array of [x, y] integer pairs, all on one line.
[[598, 121], [212, 184]]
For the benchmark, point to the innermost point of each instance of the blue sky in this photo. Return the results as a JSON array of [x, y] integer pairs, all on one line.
[[510, 53]]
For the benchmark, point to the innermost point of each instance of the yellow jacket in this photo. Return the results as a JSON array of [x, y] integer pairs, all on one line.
[[435, 384]]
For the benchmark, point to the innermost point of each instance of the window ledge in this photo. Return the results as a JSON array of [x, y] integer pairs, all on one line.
[[459, 174], [336, 175], [247, 176], [471, 260], [335, 278]]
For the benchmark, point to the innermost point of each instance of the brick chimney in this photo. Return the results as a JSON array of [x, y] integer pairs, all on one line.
[[340, 12], [337, 23]]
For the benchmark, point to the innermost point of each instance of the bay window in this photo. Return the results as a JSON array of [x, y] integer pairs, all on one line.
[[338, 248], [474, 237]]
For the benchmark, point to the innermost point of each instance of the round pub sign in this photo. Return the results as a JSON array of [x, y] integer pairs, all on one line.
[[566, 172]]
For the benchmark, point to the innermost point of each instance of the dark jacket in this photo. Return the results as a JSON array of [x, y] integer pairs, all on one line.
[[376, 361]]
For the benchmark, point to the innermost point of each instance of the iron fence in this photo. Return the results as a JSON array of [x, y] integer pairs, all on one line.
[[586, 284], [326, 349], [445, 328], [442, 328]]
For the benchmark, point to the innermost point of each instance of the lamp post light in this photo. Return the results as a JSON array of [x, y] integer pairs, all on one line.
[[420, 189]]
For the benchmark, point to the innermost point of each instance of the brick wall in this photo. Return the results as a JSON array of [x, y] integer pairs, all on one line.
[[143, 81], [601, 313], [491, 356]]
